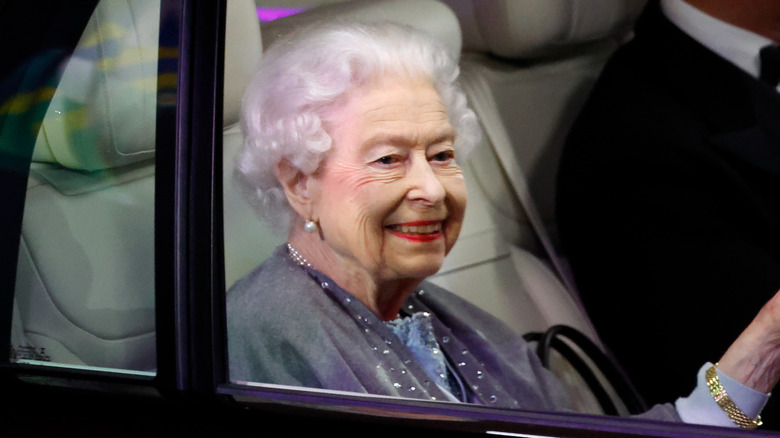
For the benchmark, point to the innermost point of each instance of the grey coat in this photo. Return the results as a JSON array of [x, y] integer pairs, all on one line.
[[291, 326]]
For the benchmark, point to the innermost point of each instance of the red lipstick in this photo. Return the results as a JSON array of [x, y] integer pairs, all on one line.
[[417, 231]]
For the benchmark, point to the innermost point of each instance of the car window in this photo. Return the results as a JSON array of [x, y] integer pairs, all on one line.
[[495, 266], [84, 285], [486, 268]]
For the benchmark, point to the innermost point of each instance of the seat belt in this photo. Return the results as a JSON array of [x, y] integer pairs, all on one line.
[[484, 105]]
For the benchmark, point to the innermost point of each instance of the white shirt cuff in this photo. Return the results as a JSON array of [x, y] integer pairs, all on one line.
[[700, 408]]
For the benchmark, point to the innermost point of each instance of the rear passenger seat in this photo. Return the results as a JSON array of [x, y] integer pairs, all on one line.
[[539, 59], [85, 277], [527, 67], [85, 287]]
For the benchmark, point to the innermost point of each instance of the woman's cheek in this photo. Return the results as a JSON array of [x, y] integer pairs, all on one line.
[[457, 202], [363, 203]]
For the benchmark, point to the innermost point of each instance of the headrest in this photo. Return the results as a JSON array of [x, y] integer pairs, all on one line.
[[243, 48], [429, 16], [102, 114], [537, 28]]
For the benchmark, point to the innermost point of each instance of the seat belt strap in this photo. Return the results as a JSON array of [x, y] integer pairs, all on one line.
[[483, 103]]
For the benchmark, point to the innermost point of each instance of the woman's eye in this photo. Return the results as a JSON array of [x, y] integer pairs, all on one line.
[[388, 159], [443, 156]]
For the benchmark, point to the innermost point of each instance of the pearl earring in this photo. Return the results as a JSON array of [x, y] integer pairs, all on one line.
[[310, 226]]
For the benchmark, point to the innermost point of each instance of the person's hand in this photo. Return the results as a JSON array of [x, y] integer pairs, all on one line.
[[754, 357]]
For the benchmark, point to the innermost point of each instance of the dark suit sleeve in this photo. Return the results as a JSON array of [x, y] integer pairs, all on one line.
[[667, 241]]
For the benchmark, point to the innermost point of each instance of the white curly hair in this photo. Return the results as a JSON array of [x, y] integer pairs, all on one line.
[[302, 80]]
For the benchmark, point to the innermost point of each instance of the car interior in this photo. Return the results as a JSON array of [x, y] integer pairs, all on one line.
[[526, 85], [89, 203], [526, 66]]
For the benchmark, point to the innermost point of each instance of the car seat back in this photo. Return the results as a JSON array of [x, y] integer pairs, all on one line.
[[85, 280], [85, 287], [527, 67]]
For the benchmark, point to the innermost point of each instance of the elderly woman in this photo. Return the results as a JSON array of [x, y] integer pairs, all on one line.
[[352, 138]]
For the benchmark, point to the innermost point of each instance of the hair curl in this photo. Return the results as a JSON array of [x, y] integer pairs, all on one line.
[[302, 79]]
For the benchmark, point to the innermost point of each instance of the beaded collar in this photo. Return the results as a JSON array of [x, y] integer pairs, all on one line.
[[479, 389], [298, 257], [415, 332]]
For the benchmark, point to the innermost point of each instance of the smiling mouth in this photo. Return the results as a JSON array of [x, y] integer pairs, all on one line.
[[420, 231]]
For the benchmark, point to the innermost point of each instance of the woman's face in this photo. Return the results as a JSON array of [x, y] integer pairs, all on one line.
[[390, 197]]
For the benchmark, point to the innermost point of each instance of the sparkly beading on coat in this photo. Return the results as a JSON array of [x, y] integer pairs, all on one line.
[[293, 326]]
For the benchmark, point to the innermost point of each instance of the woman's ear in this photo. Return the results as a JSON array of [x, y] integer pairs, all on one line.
[[294, 182]]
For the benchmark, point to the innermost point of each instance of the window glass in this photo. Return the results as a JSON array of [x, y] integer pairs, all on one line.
[[498, 267], [492, 266], [84, 295]]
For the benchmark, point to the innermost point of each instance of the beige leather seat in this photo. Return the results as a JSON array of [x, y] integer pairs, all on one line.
[[85, 287], [247, 241], [85, 280], [527, 67]]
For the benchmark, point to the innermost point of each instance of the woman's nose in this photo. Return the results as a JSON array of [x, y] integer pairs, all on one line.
[[425, 185]]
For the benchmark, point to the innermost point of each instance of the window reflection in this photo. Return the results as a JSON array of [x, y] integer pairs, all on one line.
[[85, 279]]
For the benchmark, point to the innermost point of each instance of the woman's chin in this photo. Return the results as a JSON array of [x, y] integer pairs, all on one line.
[[420, 267]]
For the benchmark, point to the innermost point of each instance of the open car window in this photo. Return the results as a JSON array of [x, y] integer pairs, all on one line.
[[84, 289], [111, 261], [501, 262], [497, 264]]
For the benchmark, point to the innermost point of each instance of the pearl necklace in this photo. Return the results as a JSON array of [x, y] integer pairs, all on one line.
[[297, 257]]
